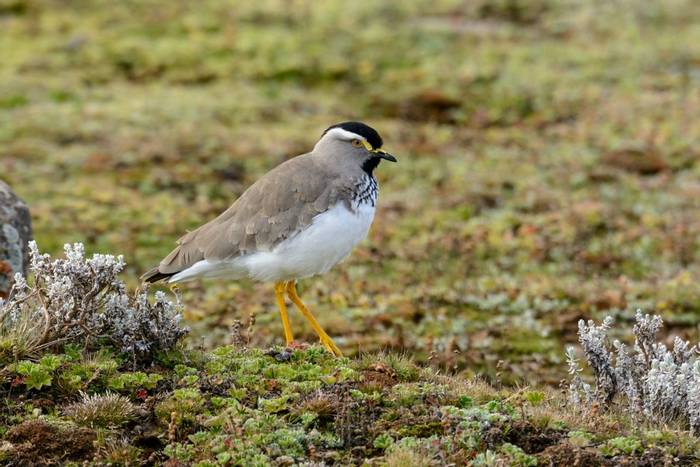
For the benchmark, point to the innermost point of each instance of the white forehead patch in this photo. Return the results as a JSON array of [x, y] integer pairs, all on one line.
[[344, 134]]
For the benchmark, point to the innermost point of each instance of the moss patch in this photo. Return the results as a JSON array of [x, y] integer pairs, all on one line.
[[246, 406]]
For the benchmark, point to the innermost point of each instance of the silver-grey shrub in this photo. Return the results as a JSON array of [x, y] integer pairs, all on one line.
[[655, 382], [82, 301]]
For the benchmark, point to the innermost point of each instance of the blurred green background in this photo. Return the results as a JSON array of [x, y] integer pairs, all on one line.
[[548, 157]]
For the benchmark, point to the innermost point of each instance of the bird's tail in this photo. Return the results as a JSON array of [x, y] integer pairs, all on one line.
[[154, 275]]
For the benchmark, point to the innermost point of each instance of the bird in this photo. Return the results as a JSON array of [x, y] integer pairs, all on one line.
[[298, 220]]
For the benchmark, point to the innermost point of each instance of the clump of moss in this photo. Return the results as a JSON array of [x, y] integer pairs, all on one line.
[[182, 406], [37, 442]]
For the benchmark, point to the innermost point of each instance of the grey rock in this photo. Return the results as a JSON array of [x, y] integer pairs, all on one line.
[[15, 234]]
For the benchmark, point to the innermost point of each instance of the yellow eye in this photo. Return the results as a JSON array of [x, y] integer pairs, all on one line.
[[357, 143]]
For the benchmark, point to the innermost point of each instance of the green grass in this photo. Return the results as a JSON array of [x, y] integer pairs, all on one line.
[[547, 157]]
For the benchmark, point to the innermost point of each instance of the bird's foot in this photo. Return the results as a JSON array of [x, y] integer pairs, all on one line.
[[328, 343]]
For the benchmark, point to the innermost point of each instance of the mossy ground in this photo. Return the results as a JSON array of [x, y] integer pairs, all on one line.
[[548, 161], [234, 406]]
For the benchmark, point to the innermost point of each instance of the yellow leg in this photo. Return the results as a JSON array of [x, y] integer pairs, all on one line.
[[279, 295], [325, 338]]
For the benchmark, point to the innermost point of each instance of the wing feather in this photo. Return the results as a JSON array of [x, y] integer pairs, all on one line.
[[280, 204]]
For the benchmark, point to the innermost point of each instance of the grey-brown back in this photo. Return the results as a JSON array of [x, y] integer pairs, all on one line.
[[281, 203]]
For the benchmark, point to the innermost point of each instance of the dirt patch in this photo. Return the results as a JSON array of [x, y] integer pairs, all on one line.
[[655, 456], [325, 405], [425, 106], [529, 438], [566, 454], [378, 376], [643, 161], [431, 106], [532, 439], [43, 403], [36, 442]]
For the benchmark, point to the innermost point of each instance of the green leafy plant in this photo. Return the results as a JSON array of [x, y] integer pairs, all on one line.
[[36, 375], [534, 398], [621, 445], [184, 403], [516, 456], [383, 441], [134, 381]]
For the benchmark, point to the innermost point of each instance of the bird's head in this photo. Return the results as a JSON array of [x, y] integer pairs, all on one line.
[[352, 145]]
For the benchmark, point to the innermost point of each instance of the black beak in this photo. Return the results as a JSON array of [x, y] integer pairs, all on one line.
[[385, 155]]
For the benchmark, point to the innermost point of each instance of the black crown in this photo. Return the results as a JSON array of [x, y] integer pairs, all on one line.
[[359, 128]]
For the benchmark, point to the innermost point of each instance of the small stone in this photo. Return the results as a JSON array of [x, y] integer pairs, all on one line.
[[15, 234], [284, 356]]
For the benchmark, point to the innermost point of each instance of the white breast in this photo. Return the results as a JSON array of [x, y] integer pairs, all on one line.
[[329, 238]]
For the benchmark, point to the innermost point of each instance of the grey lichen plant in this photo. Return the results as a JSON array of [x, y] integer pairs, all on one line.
[[81, 300], [298, 220], [656, 383]]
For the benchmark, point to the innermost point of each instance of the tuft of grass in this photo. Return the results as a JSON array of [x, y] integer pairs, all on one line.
[[21, 340], [108, 410], [403, 456], [120, 452]]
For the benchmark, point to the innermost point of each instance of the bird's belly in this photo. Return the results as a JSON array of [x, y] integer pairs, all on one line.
[[329, 239]]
